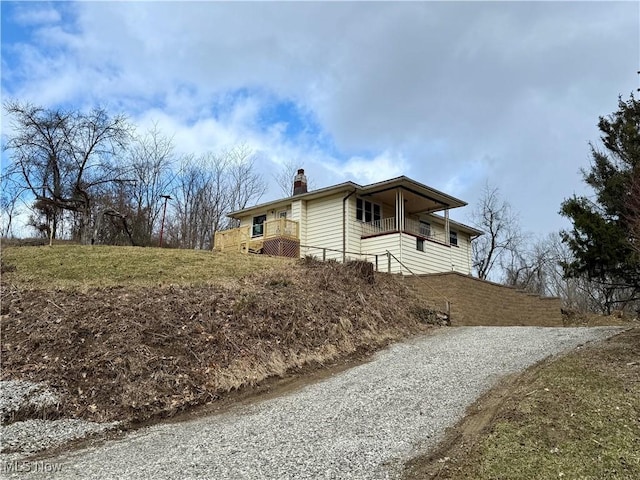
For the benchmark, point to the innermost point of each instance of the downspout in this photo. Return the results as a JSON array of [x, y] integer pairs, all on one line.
[[344, 226]]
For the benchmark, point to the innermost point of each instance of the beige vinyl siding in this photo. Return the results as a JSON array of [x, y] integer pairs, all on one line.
[[461, 255], [413, 259], [354, 234], [299, 214], [378, 246], [443, 258], [324, 225], [245, 221], [275, 214], [436, 257], [457, 256], [354, 228]]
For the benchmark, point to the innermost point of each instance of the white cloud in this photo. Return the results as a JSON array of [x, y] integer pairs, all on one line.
[[449, 93], [369, 170], [36, 14]]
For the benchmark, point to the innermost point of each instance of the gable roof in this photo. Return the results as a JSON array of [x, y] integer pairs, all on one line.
[[422, 196]]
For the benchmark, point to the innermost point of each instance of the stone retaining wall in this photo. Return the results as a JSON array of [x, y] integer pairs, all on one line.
[[480, 302]]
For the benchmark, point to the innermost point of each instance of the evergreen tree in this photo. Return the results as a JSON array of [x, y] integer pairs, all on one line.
[[601, 239]]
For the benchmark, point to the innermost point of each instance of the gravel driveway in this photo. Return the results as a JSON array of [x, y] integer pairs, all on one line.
[[360, 424]]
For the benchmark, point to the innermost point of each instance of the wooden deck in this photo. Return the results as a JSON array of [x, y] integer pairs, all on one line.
[[241, 239]]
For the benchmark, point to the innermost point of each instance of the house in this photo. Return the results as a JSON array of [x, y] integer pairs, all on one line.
[[394, 223]]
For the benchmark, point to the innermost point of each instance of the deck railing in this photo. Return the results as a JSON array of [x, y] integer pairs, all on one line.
[[388, 225], [377, 227], [241, 238], [231, 239], [413, 226], [281, 227]]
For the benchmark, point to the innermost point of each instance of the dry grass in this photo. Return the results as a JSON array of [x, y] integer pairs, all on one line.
[[574, 318], [594, 433], [80, 266], [576, 418], [134, 352]]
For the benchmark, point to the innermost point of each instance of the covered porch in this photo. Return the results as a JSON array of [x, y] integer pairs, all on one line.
[[403, 206]]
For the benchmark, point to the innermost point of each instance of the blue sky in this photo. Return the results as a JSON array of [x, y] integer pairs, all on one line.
[[451, 94]]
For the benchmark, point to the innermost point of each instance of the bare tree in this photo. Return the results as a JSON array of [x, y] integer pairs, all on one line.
[[502, 232], [284, 177], [217, 197], [207, 196], [539, 269], [555, 254], [245, 185], [63, 157], [528, 269], [9, 206], [206, 189], [119, 226], [151, 162]]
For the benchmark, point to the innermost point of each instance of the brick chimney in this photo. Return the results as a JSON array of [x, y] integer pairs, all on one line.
[[300, 183]]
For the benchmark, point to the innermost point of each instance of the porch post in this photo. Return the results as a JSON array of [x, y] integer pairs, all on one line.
[[399, 210], [397, 222], [446, 227]]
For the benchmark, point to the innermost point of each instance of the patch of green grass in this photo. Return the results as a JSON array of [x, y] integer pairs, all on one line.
[[574, 422], [78, 266]]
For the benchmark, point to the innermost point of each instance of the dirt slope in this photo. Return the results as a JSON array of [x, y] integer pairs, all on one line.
[[132, 353]]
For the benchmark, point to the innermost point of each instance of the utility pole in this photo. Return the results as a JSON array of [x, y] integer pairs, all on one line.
[[164, 212]]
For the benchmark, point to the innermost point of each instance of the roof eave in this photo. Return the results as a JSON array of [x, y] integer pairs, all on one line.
[[322, 192], [473, 232], [419, 188]]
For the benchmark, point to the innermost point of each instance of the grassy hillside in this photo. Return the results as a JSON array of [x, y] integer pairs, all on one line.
[[132, 333], [80, 266]]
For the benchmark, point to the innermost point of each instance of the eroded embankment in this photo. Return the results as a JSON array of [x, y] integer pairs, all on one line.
[[133, 353]]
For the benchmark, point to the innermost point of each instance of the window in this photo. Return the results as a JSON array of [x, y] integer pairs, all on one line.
[[282, 214], [258, 227], [420, 244], [367, 211], [453, 237], [425, 229]]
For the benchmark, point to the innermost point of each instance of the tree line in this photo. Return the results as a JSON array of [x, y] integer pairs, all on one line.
[[594, 266], [93, 178]]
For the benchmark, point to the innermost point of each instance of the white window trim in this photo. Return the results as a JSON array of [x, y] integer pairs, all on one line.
[[373, 204], [253, 224], [453, 234]]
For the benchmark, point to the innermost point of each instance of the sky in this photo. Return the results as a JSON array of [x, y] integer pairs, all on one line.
[[456, 95]]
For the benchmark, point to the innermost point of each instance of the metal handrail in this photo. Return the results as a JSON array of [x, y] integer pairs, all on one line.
[[447, 300]]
